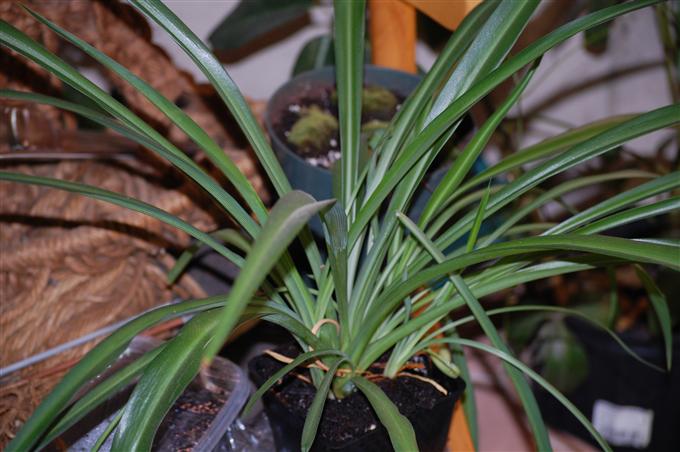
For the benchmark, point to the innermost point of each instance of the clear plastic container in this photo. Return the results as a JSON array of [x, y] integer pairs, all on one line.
[[200, 420]]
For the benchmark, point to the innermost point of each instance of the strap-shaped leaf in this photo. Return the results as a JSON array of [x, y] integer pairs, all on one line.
[[99, 394], [232, 97], [288, 216], [94, 362], [174, 113], [618, 248], [495, 39], [126, 202], [660, 305], [21, 43], [297, 361], [349, 74], [538, 379], [462, 164], [406, 118], [635, 214], [593, 147], [454, 112], [401, 432], [224, 85], [477, 225], [523, 390], [164, 379], [545, 148], [651, 188], [558, 191], [335, 222], [316, 409]]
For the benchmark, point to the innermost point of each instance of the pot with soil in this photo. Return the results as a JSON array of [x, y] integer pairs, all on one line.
[[301, 119], [426, 398], [203, 418]]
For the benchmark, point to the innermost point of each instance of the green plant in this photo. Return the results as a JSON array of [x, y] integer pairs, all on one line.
[[379, 261]]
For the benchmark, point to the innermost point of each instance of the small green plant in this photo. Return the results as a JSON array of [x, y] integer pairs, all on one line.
[[381, 265]]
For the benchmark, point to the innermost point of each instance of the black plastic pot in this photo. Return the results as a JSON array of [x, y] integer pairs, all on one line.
[[431, 425], [634, 407], [315, 180]]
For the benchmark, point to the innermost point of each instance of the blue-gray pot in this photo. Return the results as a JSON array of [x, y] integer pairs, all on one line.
[[315, 180]]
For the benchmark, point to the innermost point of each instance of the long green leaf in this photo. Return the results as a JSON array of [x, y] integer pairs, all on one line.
[[558, 191], [232, 97], [487, 287], [523, 390], [297, 361], [19, 42], [335, 221], [495, 39], [405, 119], [454, 112], [401, 432], [660, 305], [477, 225], [94, 362], [99, 394], [175, 114], [606, 141], [461, 166], [164, 379], [289, 215], [538, 379], [635, 214], [543, 149], [223, 84], [654, 187], [316, 409], [349, 59], [606, 246], [126, 202]]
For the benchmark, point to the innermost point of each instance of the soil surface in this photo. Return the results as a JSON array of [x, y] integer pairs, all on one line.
[[188, 419], [327, 156], [352, 417]]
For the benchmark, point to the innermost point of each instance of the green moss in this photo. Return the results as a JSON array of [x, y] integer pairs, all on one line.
[[379, 102], [313, 131]]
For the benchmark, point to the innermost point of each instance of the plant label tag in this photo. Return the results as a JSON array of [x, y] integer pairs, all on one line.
[[623, 425]]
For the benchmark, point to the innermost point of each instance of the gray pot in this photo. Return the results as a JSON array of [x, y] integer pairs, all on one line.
[[318, 181]]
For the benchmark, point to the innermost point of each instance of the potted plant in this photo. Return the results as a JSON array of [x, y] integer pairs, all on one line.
[[357, 305], [301, 120]]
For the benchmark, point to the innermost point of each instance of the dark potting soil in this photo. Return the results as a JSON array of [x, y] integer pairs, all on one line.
[[351, 417], [327, 156], [188, 419]]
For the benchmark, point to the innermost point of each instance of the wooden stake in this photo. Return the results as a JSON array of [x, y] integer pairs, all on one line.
[[392, 27]]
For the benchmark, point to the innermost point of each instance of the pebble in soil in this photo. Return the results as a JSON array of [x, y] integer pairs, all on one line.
[[310, 126]]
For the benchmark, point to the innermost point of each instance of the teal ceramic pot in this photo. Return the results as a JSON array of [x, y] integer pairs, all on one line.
[[315, 84]]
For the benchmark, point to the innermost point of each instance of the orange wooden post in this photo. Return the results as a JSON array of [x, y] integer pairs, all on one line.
[[448, 13], [392, 28], [460, 439]]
